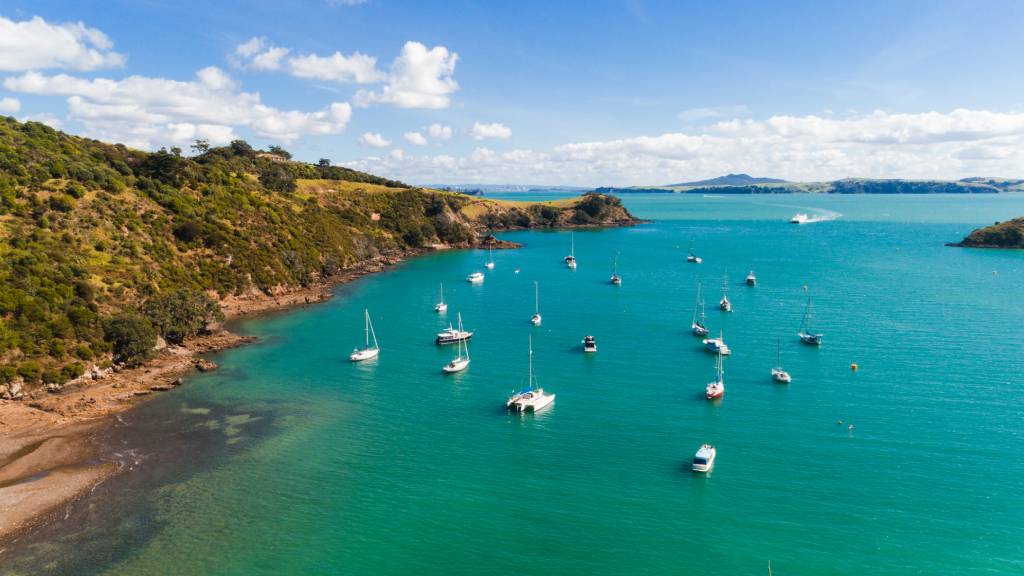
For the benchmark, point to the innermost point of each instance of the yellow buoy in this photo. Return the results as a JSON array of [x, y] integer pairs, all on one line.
[[853, 367]]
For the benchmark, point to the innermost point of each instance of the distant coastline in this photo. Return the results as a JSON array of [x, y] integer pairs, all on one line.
[[846, 186]]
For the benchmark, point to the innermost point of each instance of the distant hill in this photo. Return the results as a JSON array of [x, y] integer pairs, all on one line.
[[976, 185], [1009, 234], [729, 180]]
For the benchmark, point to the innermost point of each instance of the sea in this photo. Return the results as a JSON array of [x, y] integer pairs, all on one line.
[[292, 460]]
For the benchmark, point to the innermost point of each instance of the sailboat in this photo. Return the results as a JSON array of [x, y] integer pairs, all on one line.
[[535, 319], [532, 398], [460, 362], [490, 260], [616, 279], [570, 260], [366, 352], [806, 336], [717, 388], [778, 374], [697, 327], [441, 306], [724, 305]]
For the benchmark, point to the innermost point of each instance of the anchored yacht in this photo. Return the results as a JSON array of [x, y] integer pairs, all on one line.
[[367, 351], [704, 459], [532, 398]]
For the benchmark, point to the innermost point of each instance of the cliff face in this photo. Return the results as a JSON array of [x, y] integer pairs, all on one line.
[[1008, 234], [88, 230]]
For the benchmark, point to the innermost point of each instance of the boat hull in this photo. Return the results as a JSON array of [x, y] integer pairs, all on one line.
[[445, 340], [810, 339], [365, 354], [455, 366]]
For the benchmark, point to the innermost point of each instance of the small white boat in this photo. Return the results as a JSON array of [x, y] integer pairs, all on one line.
[[453, 335], [536, 319], [717, 345], [589, 344], [693, 258], [778, 374], [716, 389], [799, 218], [570, 260], [366, 352], [704, 459], [697, 326], [475, 278], [724, 304], [461, 361], [441, 306], [616, 279], [805, 334], [751, 279], [490, 260], [532, 398]]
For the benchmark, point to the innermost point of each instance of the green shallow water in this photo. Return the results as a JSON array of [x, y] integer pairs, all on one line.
[[393, 468]]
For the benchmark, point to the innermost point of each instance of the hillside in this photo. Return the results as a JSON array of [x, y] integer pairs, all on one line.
[[1009, 234], [728, 180], [103, 247], [846, 186]]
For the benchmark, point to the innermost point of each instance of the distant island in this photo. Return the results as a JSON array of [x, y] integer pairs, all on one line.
[[745, 184], [1009, 234]]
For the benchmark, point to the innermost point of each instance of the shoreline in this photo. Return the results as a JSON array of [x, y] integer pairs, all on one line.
[[49, 457]]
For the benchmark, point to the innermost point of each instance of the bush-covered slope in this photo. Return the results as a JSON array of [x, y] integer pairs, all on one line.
[[89, 231], [1009, 234]]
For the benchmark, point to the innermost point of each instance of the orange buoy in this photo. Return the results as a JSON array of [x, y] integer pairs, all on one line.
[[853, 367]]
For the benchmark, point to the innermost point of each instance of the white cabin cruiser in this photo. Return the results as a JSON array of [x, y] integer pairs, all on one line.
[[751, 279], [589, 344], [717, 345], [704, 459], [453, 335]]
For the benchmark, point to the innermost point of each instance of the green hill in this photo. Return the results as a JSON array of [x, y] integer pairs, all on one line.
[[1009, 234], [101, 245]]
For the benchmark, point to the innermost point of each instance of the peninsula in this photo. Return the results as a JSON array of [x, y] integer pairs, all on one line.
[[1009, 234]]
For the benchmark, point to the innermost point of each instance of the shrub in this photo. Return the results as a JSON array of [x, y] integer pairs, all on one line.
[[132, 337], [181, 313]]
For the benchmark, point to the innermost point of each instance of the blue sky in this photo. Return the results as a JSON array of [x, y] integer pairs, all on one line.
[[587, 93]]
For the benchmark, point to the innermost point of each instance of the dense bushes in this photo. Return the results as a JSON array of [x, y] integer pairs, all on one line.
[[181, 313], [131, 336]]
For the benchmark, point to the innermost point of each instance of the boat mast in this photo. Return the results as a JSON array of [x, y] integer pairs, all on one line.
[[778, 353], [531, 362], [698, 303], [442, 292], [808, 314], [536, 297], [572, 244], [462, 343]]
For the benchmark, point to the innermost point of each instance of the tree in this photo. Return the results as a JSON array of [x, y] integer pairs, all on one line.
[[242, 148], [131, 336], [181, 313], [278, 178], [278, 151], [324, 163], [200, 147]]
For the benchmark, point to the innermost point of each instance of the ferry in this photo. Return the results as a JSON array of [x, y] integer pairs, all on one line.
[[704, 459]]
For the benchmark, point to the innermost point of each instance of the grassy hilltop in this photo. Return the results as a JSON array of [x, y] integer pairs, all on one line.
[[102, 247]]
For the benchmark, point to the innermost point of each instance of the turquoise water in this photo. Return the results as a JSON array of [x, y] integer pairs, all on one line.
[[393, 468]]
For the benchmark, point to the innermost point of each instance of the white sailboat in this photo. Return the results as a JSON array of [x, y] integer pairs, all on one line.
[[716, 389], [570, 260], [697, 326], [536, 319], [778, 374], [616, 279], [490, 260], [806, 336], [441, 306], [724, 304], [461, 361], [366, 352], [532, 398], [475, 278]]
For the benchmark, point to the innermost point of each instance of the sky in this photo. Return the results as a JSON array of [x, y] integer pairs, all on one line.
[[546, 93]]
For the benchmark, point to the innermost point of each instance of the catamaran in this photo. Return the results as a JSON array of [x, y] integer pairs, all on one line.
[[704, 459], [535, 319], [697, 326], [490, 260], [366, 352], [778, 374], [441, 306], [616, 279], [806, 336], [475, 278], [724, 305], [717, 345], [460, 362], [751, 279], [717, 388], [532, 398], [570, 260]]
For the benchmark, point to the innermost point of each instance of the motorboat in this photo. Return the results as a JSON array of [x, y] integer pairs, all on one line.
[[475, 278], [453, 335], [589, 344], [800, 218], [704, 459], [751, 279]]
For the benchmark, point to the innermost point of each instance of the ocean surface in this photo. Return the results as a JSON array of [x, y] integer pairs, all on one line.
[[291, 460]]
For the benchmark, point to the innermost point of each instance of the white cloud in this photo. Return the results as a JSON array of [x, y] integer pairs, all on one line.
[[257, 54], [337, 67], [397, 154], [698, 114], [37, 44], [439, 132], [877, 145], [415, 138], [495, 130], [9, 105], [147, 112], [375, 140], [419, 78]]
